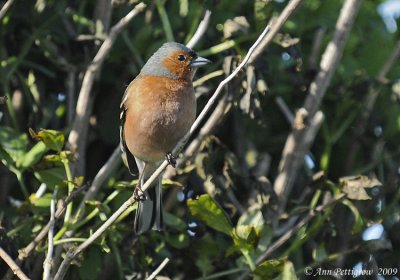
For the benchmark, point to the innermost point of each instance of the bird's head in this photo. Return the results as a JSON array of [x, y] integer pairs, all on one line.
[[175, 61]]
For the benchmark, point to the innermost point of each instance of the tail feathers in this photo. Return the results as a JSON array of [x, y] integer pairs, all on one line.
[[149, 212]]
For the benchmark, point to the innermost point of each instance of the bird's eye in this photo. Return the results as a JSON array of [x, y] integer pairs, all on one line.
[[181, 57]]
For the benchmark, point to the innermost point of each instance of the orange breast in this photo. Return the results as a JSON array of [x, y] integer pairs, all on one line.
[[159, 113]]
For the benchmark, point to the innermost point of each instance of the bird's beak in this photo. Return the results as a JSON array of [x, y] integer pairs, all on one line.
[[199, 61]]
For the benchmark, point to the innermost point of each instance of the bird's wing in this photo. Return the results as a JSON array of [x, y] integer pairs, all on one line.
[[130, 159]]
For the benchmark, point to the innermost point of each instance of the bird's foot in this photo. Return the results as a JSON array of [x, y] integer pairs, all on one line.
[[171, 159], [138, 194]]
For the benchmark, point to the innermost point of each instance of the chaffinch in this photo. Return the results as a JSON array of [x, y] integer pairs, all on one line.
[[157, 110]]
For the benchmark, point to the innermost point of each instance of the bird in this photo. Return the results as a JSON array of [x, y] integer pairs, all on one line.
[[157, 110]]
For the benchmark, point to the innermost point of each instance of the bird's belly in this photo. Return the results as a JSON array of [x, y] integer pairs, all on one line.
[[160, 127]]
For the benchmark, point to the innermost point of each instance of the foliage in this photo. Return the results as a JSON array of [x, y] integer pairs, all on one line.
[[220, 205]]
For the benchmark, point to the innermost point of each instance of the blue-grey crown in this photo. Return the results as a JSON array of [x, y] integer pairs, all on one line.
[[154, 67]]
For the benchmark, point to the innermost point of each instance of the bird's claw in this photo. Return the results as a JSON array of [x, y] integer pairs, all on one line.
[[171, 159], [139, 194]]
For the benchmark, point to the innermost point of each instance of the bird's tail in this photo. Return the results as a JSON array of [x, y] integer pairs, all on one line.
[[149, 213]]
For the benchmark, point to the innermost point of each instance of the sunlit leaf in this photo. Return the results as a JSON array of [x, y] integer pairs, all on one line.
[[32, 156], [270, 269], [53, 139], [245, 237], [43, 201], [235, 26], [288, 272], [206, 210], [167, 183], [252, 218], [354, 186]]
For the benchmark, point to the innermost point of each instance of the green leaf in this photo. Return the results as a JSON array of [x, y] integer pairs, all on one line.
[[354, 186], [288, 272], [12, 143], [53, 139], [51, 177], [6, 158], [206, 210], [167, 183], [32, 156], [245, 237], [178, 241], [252, 218], [43, 201], [271, 269], [174, 221]]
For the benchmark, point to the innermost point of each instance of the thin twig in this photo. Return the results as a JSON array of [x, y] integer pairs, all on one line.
[[201, 29], [290, 233], [289, 9], [159, 268], [99, 179], [285, 109], [207, 77], [48, 262], [78, 135], [72, 254], [14, 267], [302, 135], [5, 8], [25, 252], [316, 47]]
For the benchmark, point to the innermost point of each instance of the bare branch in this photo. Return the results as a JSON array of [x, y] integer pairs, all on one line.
[[302, 135], [159, 268], [14, 267], [297, 145], [77, 137], [5, 8], [289, 9], [332, 55], [48, 262], [72, 254], [201, 29]]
